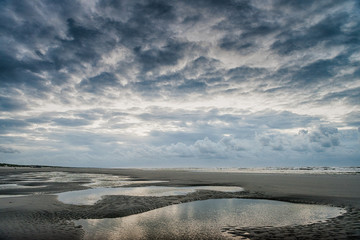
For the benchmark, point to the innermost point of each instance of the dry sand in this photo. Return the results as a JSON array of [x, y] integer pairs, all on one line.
[[41, 216]]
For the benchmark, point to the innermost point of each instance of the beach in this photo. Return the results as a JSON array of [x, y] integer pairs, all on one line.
[[37, 213]]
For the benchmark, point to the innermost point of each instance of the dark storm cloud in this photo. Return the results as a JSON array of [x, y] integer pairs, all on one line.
[[28, 27], [199, 77], [296, 5], [233, 43], [328, 31], [147, 25], [77, 36], [165, 56], [74, 37], [245, 73], [57, 43], [254, 27], [98, 83], [25, 23], [240, 13], [202, 65], [318, 71], [192, 85], [81, 45], [110, 4], [159, 10], [352, 96], [195, 77], [243, 24], [8, 104], [14, 73], [332, 30], [321, 74]]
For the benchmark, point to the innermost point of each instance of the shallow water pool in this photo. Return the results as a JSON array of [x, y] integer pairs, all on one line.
[[90, 196], [205, 219]]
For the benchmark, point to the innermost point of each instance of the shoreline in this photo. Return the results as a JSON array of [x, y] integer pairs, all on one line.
[[335, 190]]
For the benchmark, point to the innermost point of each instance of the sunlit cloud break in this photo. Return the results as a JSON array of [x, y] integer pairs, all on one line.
[[206, 83]]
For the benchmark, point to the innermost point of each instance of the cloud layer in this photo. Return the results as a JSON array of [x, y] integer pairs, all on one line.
[[180, 83]]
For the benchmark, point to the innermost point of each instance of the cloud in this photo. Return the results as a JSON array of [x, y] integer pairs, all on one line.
[[68, 122], [244, 73], [325, 136], [167, 55], [274, 142], [8, 104], [8, 125], [8, 150], [330, 30], [232, 43], [316, 139], [98, 83], [351, 95], [131, 82], [281, 120], [353, 118], [207, 149]]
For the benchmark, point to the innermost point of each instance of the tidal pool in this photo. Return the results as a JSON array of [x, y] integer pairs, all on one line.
[[12, 186], [90, 196], [15, 186], [205, 219], [87, 179]]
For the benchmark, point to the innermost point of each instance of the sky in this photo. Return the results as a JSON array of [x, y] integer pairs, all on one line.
[[206, 83]]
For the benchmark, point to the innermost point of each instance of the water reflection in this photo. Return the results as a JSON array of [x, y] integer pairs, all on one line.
[[91, 179], [205, 219], [14, 186], [90, 196], [44, 179]]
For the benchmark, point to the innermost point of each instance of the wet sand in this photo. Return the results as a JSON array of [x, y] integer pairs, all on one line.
[[41, 216]]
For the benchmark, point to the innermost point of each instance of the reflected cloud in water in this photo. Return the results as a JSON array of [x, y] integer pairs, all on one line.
[[86, 179], [205, 219]]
